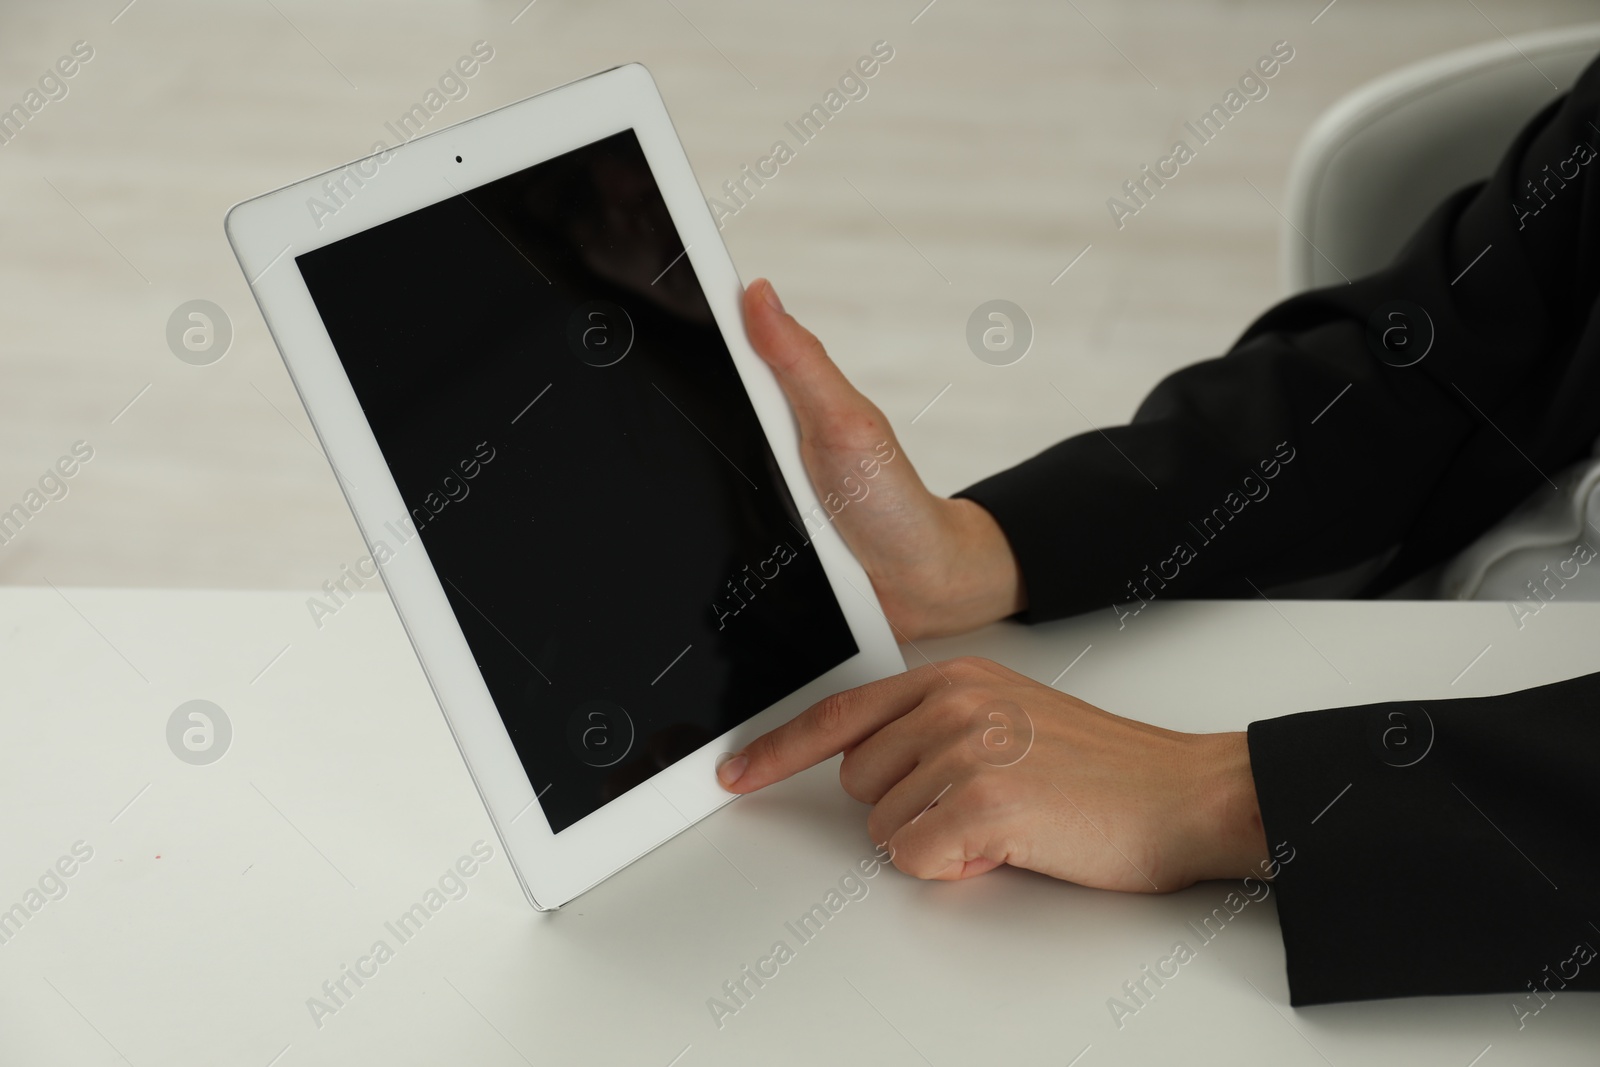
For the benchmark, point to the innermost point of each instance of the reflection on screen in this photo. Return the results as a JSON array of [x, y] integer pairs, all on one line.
[[541, 370]]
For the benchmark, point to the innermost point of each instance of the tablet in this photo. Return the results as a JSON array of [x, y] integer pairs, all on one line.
[[520, 342]]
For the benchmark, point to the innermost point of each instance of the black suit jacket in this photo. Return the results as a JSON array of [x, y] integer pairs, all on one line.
[[1312, 448]]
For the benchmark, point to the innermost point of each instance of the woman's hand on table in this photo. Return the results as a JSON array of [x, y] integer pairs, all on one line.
[[969, 765]]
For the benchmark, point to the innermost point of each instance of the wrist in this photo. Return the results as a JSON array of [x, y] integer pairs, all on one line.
[[979, 579], [1228, 835]]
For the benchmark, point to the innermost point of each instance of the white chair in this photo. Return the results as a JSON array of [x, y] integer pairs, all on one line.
[[1366, 175], [1377, 162]]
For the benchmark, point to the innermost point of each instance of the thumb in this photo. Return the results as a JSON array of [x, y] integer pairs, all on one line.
[[817, 390]]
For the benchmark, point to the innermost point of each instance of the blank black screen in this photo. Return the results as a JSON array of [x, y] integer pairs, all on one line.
[[541, 370]]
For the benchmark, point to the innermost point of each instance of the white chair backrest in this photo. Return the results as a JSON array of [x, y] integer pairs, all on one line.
[[1376, 163]]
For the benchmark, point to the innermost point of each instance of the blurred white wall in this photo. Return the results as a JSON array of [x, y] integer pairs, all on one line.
[[977, 166]]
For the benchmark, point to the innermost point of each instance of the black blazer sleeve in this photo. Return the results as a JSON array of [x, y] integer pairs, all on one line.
[[1448, 846], [1308, 450], [1301, 452]]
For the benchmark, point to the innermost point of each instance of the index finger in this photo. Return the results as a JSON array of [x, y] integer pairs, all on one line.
[[826, 729]]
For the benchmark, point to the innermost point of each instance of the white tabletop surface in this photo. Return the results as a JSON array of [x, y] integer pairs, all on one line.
[[219, 898]]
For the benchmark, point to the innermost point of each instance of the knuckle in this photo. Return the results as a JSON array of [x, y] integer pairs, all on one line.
[[966, 668], [830, 714], [851, 780], [922, 863], [949, 712], [954, 706], [985, 794], [813, 344]]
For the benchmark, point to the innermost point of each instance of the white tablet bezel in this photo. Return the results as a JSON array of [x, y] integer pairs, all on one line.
[[269, 231]]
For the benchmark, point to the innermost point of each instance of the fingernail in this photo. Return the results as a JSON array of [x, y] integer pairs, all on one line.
[[731, 769], [772, 297]]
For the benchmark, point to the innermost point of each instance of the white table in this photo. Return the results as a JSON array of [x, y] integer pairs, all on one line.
[[219, 898]]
